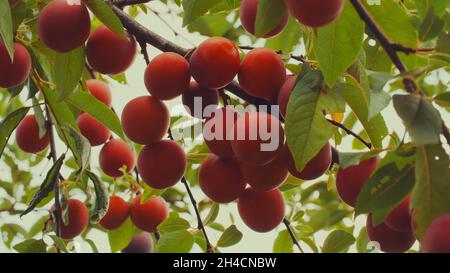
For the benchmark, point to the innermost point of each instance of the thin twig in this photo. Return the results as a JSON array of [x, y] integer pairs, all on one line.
[[291, 233], [350, 132], [53, 155], [392, 50]]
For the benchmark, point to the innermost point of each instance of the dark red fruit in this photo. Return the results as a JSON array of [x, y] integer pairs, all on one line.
[[114, 155], [200, 101], [437, 236], [78, 219], [266, 177], [64, 25], [314, 168], [27, 136], [145, 120], [248, 12], [262, 73], [315, 13], [261, 211], [100, 90], [149, 215], [162, 164], [108, 53], [215, 62], [221, 179], [92, 129], [141, 243], [218, 131], [15, 73], [258, 138], [390, 240], [167, 76], [117, 213], [350, 181], [400, 218]]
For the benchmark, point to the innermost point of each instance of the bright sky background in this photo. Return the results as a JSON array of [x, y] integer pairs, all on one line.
[[252, 241]]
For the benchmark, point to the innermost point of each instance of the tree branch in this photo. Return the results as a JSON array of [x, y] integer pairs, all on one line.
[[392, 50], [123, 3], [292, 234], [53, 155]]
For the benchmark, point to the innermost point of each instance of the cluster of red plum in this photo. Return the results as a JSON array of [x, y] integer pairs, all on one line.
[[238, 167]]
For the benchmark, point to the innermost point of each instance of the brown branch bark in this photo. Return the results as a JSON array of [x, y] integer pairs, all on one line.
[[392, 50], [292, 234]]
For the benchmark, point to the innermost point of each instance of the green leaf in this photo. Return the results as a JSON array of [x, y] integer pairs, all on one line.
[[38, 226], [362, 242], [421, 119], [47, 186], [268, 16], [59, 243], [212, 215], [87, 103], [101, 198], [395, 22], [351, 159], [287, 39], [386, 188], [338, 45], [60, 111], [283, 243], [31, 246], [230, 237], [9, 232], [338, 241], [359, 100], [6, 27], [81, 146], [68, 70], [106, 15], [307, 130], [443, 99], [193, 9], [9, 124], [174, 223], [121, 237], [430, 198], [180, 241]]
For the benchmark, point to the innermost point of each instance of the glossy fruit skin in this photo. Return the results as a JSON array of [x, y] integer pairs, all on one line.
[[107, 53], [145, 120], [63, 25], [285, 93], [400, 218], [261, 211], [149, 215], [215, 62], [218, 131], [92, 129], [167, 76], [209, 100], [390, 241], [221, 179], [27, 136], [250, 131], [100, 90], [262, 73], [15, 73], [314, 168], [114, 155], [437, 236], [162, 164], [350, 181], [78, 219], [248, 12], [317, 13], [141, 243], [117, 213], [267, 177]]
